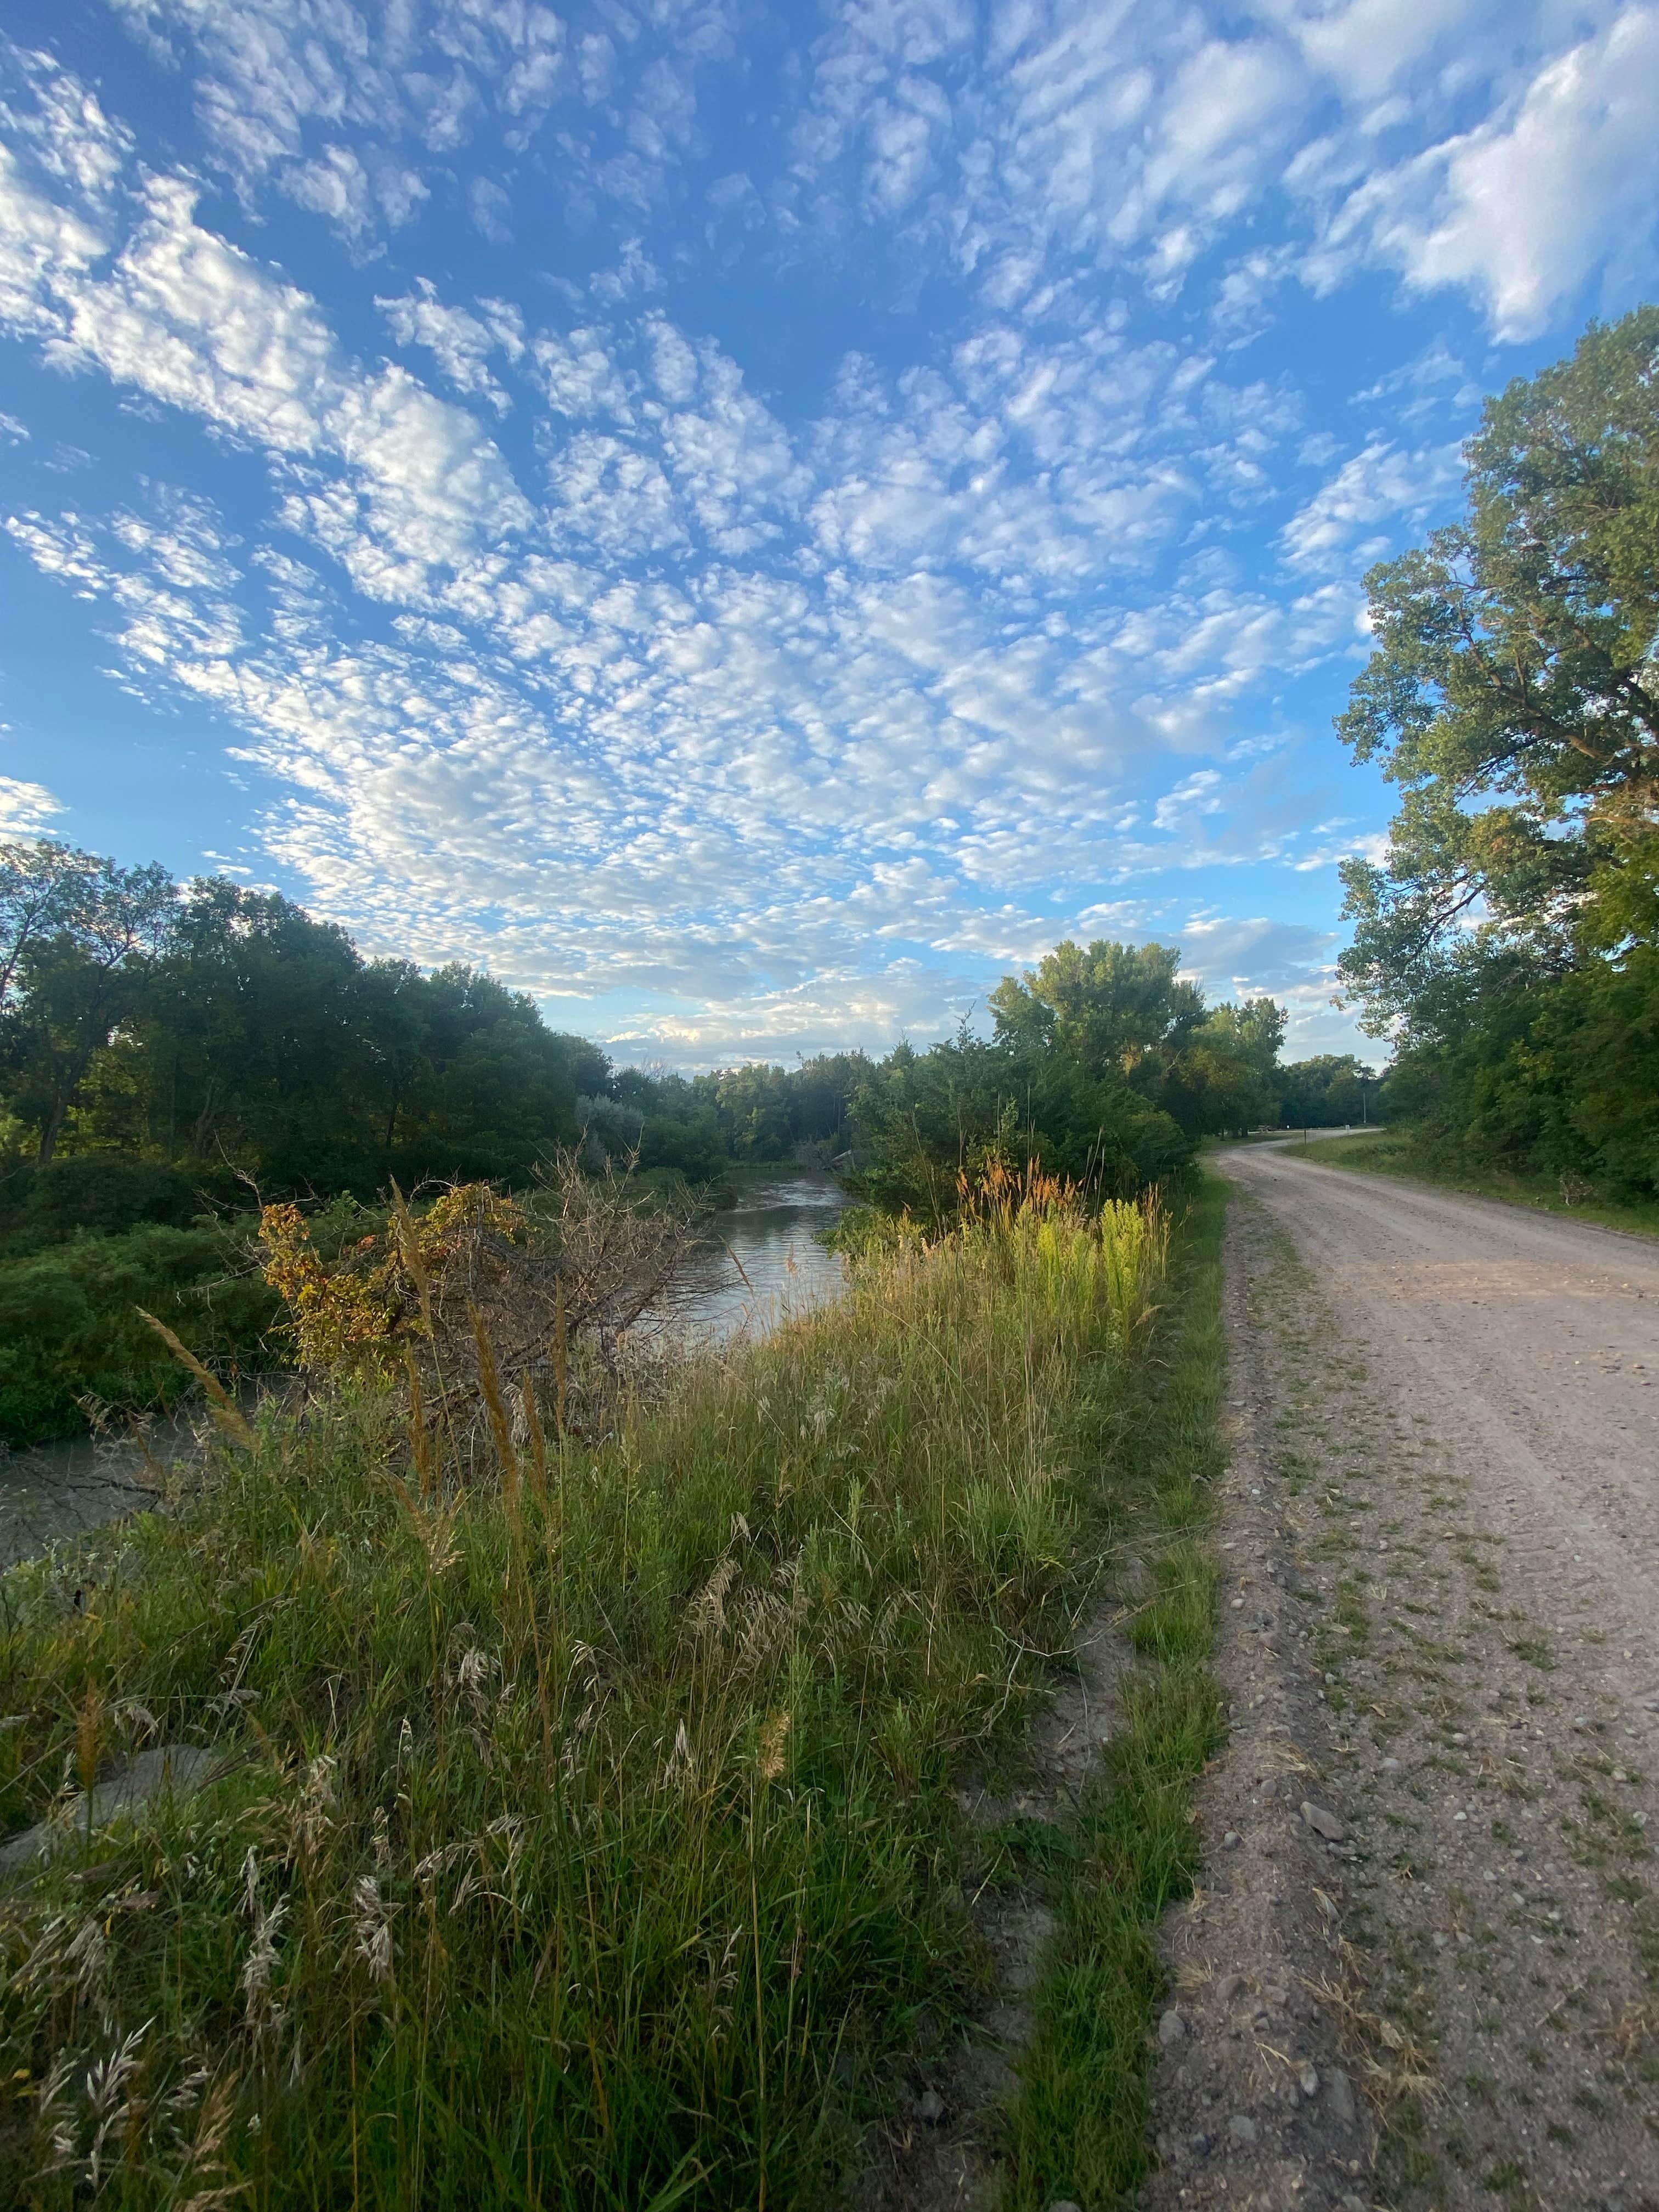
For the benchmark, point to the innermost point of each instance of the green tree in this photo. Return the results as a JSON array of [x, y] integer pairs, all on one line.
[[1114, 1008], [1513, 693], [1506, 942], [81, 936]]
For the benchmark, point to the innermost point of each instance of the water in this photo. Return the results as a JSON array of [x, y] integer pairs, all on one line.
[[61, 1489], [64, 1488], [760, 1262]]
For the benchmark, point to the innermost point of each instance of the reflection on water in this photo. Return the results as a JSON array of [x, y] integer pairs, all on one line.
[[63, 1488], [760, 1262]]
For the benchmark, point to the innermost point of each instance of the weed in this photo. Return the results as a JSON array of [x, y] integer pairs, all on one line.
[[589, 1838]]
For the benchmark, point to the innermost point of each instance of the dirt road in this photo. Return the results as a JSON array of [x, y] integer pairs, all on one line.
[[1431, 1872]]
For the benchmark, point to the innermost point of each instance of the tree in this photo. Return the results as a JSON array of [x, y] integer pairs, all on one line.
[[43, 885], [1116, 1009], [1507, 941], [1514, 693], [1327, 1092], [82, 936]]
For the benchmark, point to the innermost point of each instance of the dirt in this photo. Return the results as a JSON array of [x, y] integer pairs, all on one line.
[[1438, 1985], [941, 2148]]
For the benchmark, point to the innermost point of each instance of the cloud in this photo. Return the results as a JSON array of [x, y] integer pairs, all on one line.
[[27, 809], [1520, 208], [743, 685], [348, 110], [1338, 528], [460, 343]]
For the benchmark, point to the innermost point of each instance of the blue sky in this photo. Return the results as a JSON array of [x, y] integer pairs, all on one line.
[[748, 520]]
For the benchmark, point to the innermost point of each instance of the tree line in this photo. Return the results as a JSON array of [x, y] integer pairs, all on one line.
[[209, 1029]]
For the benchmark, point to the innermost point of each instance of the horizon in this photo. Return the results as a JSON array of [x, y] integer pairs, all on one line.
[[748, 535]]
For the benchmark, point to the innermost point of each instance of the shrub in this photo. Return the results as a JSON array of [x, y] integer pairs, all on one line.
[[70, 1329]]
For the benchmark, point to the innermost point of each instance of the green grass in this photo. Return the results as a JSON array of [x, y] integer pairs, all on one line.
[[591, 1839], [1393, 1152], [1079, 2127]]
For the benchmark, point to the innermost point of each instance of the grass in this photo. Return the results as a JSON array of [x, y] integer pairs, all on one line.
[[1394, 1152], [587, 1836], [1078, 2126]]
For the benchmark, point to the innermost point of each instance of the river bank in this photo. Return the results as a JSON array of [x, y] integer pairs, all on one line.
[[585, 1837], [759, 1263]]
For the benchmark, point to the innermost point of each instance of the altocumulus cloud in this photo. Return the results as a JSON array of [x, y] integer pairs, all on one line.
[[751, 525]]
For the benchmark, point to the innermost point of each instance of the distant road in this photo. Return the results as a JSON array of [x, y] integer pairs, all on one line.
[[1531, 1345]]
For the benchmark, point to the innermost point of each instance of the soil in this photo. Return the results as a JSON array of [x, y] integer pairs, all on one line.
[[941, 2147], [1422, 1968]]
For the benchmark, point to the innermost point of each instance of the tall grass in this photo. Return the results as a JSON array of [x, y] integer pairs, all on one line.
[[587, 1836], [1078, 2129]]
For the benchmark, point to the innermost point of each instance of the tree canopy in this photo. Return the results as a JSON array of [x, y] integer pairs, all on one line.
[[1513, 694], [1507, 941]]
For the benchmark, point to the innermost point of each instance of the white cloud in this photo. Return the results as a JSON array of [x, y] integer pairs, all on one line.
[[1337, 529], [762, 719], [460, 343], [337, 105], [27, 809], [1521, 207]]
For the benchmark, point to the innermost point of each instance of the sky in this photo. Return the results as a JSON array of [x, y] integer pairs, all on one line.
[[749, 521]]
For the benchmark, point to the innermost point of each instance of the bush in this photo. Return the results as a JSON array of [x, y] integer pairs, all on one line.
[[69, 1327], [102, 1194]]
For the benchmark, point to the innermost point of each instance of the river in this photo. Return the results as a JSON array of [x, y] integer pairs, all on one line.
[[759, 1263]]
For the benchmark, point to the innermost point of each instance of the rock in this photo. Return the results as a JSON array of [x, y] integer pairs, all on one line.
[[1232, 1840], [1391, 1766], [175, 1769], [1307, 2075], [1339, 2098], [1200, 2143], [1228, 1987], [1064, 2204], [930, 2106], [1171, 2029], [1324, 1822], [1241, 2129]]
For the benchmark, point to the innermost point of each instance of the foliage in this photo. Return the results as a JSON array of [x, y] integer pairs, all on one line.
[[1329, 1091], [555, 1281], [1125, 1845], [1508, 940], [1104, 1068], [1511, 694], [225, 1024], [105, 1193], [70, 1329], [588, 1840]]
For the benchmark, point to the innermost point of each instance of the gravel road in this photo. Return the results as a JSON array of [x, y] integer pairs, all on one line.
[[1430, 1873]]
